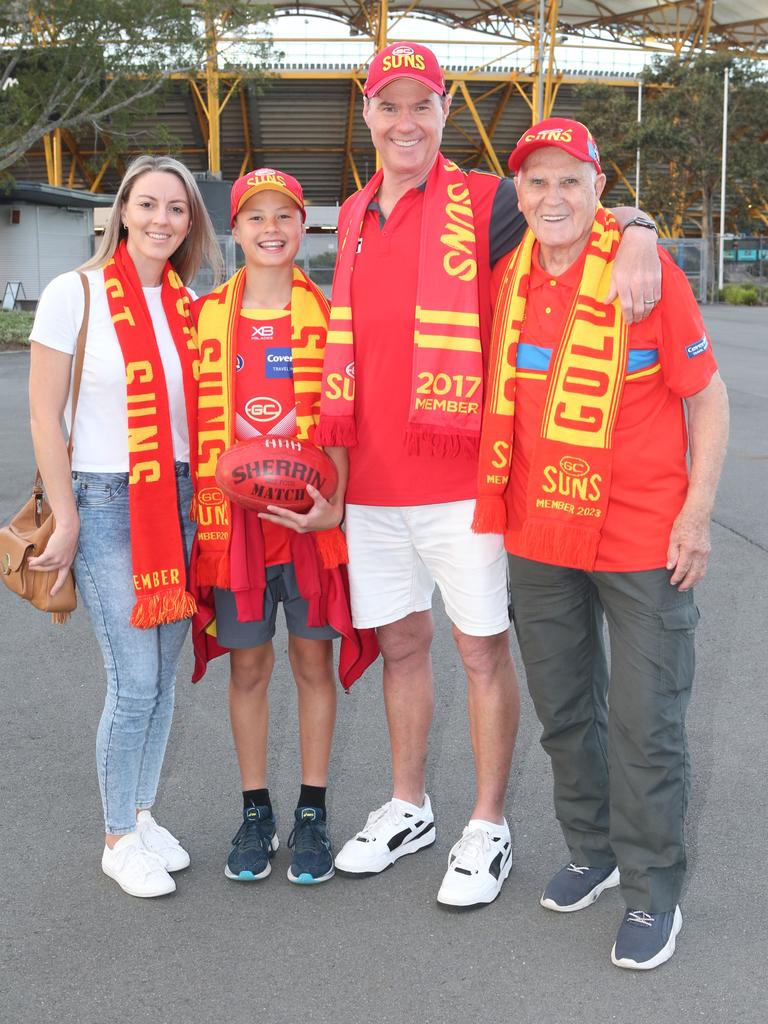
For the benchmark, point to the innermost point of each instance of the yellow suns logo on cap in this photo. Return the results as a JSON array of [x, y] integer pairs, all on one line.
[[551, 135], [266, 176], [403, 57]]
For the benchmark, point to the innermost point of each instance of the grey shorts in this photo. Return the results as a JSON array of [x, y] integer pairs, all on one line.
[[281, 586]]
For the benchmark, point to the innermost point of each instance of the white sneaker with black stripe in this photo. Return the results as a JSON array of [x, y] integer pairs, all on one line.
[[478, 865], [390, 832]]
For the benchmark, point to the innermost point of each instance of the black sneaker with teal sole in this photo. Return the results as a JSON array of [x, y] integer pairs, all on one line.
[[646, 940], [312, 854], [253, 847]]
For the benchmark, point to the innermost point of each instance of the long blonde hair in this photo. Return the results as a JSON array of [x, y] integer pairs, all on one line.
[[200, 245]]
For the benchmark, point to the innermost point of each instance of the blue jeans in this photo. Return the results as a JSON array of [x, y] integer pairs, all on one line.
[[140, 663]]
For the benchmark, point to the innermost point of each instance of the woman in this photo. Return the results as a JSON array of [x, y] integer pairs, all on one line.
[[122, 508]]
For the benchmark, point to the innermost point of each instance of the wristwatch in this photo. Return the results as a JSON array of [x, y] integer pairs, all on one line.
[[642, 222]]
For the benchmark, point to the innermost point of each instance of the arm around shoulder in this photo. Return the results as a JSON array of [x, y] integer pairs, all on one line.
[[636, 278]]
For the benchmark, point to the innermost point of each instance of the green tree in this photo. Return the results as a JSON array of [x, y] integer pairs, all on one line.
[[97, 64], [680, 141]]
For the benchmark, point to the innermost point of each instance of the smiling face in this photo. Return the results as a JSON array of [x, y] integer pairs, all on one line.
[[406, 121], [269, 229], [558, 195], [157, 218]]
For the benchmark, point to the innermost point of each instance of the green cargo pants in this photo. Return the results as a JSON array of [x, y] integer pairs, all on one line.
[[616, 738]]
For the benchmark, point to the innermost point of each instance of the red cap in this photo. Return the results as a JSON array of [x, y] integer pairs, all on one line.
[[572, 136], [404, 60], [260, 181]]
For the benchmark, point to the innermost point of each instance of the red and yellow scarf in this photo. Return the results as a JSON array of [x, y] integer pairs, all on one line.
[[217, 331], [157, 548], [570, 474], [447, 368]]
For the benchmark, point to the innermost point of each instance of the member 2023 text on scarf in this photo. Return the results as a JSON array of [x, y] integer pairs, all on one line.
[[157, 547], [584, 385], [447, 368]]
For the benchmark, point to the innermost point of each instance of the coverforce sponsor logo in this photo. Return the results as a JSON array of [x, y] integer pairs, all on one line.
[[263, 409], [697, 348], [278, 363]]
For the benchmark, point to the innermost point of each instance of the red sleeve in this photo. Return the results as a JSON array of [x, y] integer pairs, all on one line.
[[685, 350]]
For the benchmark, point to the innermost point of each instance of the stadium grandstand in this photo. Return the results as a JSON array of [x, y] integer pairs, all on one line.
[[507, 64]]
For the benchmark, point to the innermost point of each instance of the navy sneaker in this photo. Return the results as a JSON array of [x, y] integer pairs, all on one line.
[[575, 887], [646, 940], [312, 854], [253, 847]]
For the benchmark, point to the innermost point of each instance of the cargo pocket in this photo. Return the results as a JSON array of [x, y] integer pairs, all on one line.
[[677, 659]]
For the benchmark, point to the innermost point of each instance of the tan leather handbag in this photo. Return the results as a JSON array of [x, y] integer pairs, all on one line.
[[28, 532]]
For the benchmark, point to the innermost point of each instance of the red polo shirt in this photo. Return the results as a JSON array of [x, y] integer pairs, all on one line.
[[381, 470], [670, 358]]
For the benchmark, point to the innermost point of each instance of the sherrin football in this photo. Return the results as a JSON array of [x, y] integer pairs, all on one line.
[[275, 471]]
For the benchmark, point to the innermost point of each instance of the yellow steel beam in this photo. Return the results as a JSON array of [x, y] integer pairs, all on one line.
[[58, 170], [623, 178], [490, 151], [77, 161], [230, 93], [246, 123], [549, 94], [96, 183], [381, 24], [48, 152], [214, 110]]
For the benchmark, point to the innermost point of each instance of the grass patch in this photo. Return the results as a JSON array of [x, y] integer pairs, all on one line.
[[15, 328]]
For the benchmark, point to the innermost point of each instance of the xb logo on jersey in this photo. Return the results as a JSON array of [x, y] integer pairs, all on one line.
[[263, 409], [263, 333]]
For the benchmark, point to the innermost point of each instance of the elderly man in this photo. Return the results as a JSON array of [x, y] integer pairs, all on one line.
[[403, 391], [602, 518]]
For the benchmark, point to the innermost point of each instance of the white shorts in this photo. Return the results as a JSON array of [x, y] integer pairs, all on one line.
[[397, 554]]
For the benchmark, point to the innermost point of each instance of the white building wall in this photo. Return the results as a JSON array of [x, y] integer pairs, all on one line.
[[47, 241]]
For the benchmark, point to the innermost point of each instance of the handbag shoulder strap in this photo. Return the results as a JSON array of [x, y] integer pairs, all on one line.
[[79, 358]]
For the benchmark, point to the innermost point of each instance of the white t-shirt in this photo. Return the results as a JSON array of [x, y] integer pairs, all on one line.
[[101, 427]]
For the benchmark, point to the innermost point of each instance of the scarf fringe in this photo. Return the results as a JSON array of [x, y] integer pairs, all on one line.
[[427, 441], [559, 544], [336, 432], [213, 569], [59, 618], [163, 607], [490, 515], [332, 548]]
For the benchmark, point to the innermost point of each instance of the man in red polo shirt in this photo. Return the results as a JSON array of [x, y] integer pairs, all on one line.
[[584, 468], [403, 388]]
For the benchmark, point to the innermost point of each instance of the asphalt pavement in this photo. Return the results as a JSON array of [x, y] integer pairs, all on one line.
[[76, 950]]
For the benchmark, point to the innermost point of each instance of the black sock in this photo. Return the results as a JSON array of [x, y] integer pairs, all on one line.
[[312, 796], [256, 798]]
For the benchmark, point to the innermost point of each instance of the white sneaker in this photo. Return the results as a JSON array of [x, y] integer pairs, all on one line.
[[477, 865], [158, 840], [137, 871], [391, 832]]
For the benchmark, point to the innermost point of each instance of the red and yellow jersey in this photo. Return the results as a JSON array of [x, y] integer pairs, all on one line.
[[264, 398], [670, 357]]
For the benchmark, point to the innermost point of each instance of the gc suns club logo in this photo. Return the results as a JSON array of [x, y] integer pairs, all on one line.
[[263, 409]]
